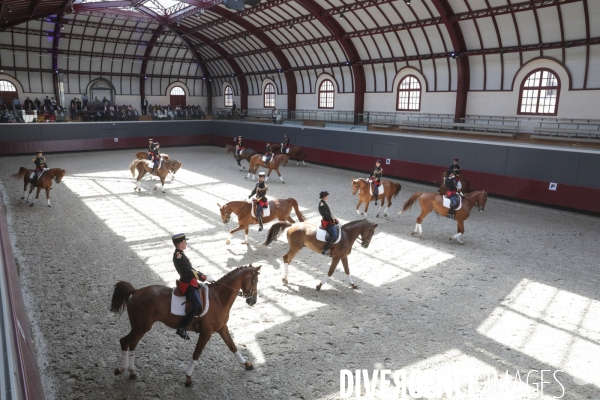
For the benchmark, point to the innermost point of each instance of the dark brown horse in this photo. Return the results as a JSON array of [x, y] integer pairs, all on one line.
[[144, 167], [362, 187], [304, 235], [152, 304], [280, 209], [274, 163], [465, 184], [43, 182], [247, 154], [295, 153], [431, 201], [143, 155]]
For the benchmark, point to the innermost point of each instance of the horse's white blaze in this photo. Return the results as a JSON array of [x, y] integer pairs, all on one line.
[[124, 359], [131, 361], [240, 357], [190, 369]]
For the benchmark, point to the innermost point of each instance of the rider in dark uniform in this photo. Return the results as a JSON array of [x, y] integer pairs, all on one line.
[[188, 282], [455, 168], [150, 148], [375, 178], [239, 147], [451, 194], [260, 190], [40, 165], [327, 221], [156, 156], [268, 153], [285, 149]]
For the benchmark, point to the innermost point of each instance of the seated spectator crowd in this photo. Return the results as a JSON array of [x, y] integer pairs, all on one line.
[[169, 113]]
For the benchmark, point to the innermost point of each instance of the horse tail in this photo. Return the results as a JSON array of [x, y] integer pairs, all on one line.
[[20, 174], [296, 210], [134, 163], [410, 201], [120, 296], [276, 230], [398, 188]]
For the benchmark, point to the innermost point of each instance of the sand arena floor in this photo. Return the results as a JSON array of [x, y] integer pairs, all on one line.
[[521, 294]]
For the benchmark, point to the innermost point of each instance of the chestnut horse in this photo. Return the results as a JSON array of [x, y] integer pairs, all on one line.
[[280, 209], [152, 304], [432, 201], [295, 153], [43, 182], [360, 185], [304, 235], [277, 160], [143, 155], [464, 182], [247, 153], [163, 171]]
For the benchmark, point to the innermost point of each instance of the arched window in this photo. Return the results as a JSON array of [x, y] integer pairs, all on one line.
[[269, 96], [228, 96], [539, 93], [409, 94], [177, 97], [7, 92], [326, 92]]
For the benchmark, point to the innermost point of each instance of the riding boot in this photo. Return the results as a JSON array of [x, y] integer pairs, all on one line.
[[328, 244], [183, 333], [451, 212], [260, 223]]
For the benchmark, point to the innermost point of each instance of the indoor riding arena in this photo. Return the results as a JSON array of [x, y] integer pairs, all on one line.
[[124, 124]]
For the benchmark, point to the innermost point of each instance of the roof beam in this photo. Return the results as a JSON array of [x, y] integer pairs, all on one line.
[[35, 4], [509, 9], [100, 5], [98, 73], [145, 60]]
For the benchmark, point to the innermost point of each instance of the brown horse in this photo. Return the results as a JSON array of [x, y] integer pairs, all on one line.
[[464, 182], [256, 162], [247, 154], [304, 235], [295, 153], [432, 201], [360, 185], [143, 167], [43, 182], [280, 209], [152, 304], [143, 155]]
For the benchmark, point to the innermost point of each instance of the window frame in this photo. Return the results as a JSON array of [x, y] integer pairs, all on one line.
[[409, 91], [265, 93], [176, 94], [225, 95], [328, 91], [539, 88], [11, 84]]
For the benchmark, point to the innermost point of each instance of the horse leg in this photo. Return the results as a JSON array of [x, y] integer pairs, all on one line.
[[347, 271], [332, 267], [202, 340], [280, 177], [231, 232], [380, 207], [224, 332], [366, 208], [358, 205], [389, 204], [29, 194], [418, 227], [245, 236], [460, 228], [48, 196], [128, 345], [24, 188], [37, 194], [287, 259]]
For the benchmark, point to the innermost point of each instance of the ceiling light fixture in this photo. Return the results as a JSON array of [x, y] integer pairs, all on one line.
[[342, 16], [8, 8], [407, 2], [290, 27]]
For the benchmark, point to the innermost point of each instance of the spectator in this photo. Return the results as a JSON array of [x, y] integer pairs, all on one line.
[[16, 103], [233, 110], [37, 103], [144, 106], [78, 106], [84, 99], [104, 101], [275, 113], [47, 102], [28, 104]]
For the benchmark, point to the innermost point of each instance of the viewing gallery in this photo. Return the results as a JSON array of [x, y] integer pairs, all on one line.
[[387, 199]]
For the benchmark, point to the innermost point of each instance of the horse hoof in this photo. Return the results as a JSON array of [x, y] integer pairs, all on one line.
[[133, 377], [412, 233], [246, 178], [385, 215], [244, 242], [248, 365], [319, 286], [49, 205], [189, 384], [117, 371], [377, 216], [31, 205], [285, 281], [354, 286], [228, 242], [155, 188], [164, 191]]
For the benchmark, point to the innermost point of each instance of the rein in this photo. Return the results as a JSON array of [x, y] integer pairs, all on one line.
[[365, 243], [253, 290]]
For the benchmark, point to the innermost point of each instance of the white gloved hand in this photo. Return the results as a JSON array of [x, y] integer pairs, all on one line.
[[210, 278], [46, 169]]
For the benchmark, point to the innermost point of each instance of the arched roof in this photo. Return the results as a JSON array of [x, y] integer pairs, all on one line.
[[458, 45]]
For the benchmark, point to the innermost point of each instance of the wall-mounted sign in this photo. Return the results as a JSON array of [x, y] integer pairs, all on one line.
[[116, 139], [553, 186], [388, 161]]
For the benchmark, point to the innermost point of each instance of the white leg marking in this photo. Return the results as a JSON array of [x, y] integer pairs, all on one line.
[[124, 359], [324, 279], [420, 229], [229, 240], [378, 211], [281, 178], [245, 239], [190, 369], [49, 203], [248, 176], [303, 163], [132, 362], [240, 357], [385, 212], [350, 281]]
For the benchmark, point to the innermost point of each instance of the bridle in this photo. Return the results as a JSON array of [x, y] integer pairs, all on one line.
[[253, 289], [365, 243], [231, 212]]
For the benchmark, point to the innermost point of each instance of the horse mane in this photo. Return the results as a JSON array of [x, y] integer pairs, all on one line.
[[347, 224], [233, 271]]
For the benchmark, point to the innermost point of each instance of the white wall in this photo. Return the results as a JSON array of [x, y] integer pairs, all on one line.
[[571, 103]]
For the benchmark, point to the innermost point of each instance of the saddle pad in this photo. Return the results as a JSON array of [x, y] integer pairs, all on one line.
[[178, 303], [322, 233], [265, 213], [380, 189], [33, 174], [446, 202], [264, 158]]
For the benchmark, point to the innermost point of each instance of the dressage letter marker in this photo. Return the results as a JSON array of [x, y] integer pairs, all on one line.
[[553, 186], [116, 139], [388, 161]]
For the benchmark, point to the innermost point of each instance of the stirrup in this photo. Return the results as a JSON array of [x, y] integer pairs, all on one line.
[[325, 252], [183, 334]]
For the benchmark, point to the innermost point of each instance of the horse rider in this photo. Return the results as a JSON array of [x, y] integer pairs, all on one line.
[[151, 146], [285, 147], [328, 222], [375, 179], [188, 282], [40, 165], [268, 153], [156, 156], [451, 193], [260, 190], [239, 147]]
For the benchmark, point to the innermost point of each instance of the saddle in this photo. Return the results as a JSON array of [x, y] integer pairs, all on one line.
[[265, 212], [264, 158], [324, 236], [179, 304], [33, 175], [371, 184], [446, 202]]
